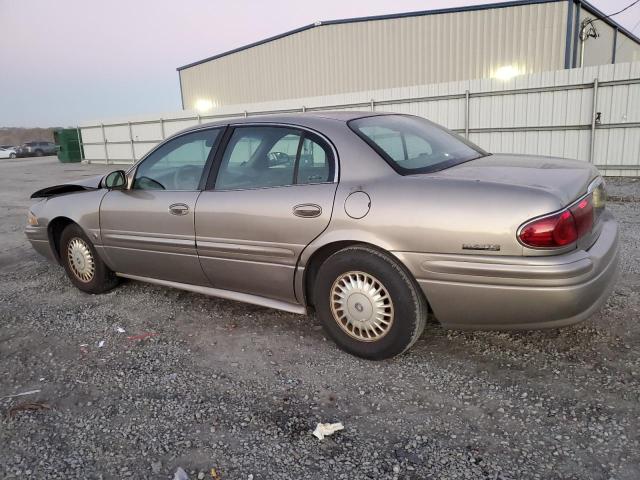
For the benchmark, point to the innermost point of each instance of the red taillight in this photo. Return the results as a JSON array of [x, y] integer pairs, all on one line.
[[560, 229], [555, 231], [583, 215]]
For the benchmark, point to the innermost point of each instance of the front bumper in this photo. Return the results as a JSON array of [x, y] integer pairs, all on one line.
[[39, 239], [492, 292]]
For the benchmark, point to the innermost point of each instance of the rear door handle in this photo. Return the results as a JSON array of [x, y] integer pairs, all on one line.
[[307, 210], [178, 209]]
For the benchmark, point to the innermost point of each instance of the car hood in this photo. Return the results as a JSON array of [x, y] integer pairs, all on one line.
[[91, 183], [565, 179]]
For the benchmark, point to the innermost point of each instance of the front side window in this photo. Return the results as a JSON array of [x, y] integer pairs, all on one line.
[[178, 164], [414, 145], [261, 157]]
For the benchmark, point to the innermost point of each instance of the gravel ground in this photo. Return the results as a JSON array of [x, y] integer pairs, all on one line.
[[240, 388]]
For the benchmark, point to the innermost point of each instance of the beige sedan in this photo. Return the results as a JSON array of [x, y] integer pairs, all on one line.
[[374, 221]]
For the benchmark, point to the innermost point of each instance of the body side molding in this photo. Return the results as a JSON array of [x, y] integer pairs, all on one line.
[[227, 294]]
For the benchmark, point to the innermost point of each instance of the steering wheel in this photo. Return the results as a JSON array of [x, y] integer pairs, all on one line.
[[279, 158], [187, 177]]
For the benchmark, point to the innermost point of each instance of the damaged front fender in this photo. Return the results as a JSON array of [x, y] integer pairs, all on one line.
[[92, 183]]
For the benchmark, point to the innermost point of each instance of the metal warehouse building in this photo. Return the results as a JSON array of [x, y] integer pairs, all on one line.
[[417, 48]]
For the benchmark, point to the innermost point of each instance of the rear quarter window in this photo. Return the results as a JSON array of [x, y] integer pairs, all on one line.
[[412, 145]]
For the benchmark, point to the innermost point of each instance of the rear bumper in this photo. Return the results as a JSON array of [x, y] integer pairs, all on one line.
[[491, 292]]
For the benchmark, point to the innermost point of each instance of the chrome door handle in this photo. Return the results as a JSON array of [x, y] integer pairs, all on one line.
[[307, 210], [178, 209]]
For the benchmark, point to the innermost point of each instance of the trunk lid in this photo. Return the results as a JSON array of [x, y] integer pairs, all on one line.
[[562, 179], [565, 179]]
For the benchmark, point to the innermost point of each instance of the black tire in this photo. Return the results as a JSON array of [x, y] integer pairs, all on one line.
[[12, 155], [102, 278], [407, 306], [39, 153]]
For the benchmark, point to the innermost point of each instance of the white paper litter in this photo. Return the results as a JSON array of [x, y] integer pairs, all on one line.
[[120, 330], [101, 344], [30, 392], [325, 429]]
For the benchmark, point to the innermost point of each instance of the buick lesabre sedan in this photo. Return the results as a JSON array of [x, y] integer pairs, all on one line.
[[374, 221]]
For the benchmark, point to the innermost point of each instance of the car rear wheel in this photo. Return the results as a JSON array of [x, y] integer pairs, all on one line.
[[39, 153], [368, 303], [12, 155], [84, 267]]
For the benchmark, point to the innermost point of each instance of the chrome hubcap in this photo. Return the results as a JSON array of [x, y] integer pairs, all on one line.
[[81, 260], [361, 306]]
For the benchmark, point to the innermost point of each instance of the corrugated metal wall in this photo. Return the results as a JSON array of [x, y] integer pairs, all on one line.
[[547, 113], [388, 53], [627, 50]]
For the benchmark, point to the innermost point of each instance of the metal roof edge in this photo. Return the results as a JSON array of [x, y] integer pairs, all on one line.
[[469, 8], [440, 11], [250, 45]]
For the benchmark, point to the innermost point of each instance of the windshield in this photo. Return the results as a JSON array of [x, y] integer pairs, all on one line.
[[414, 145]]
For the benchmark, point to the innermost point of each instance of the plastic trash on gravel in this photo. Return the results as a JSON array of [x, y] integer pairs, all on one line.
[[180, 474], [325, 429]]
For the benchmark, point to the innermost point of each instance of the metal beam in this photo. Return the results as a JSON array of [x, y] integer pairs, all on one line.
[[466, 114], [104, 143], [567, 44], [133, 148], [576, 36], [594, 113], [80, 143]]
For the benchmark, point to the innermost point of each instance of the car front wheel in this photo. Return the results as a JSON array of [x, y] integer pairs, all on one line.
[[12, 155], [368, 303], [81, 262]]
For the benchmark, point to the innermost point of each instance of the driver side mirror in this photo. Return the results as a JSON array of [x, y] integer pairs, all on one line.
[[115, 180]]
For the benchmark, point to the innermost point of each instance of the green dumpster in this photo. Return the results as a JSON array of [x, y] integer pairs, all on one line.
[[67, 141]]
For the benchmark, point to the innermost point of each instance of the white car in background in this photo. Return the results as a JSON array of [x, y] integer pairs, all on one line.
[[9, 152]]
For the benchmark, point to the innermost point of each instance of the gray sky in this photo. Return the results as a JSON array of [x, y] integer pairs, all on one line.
[[67, 61]]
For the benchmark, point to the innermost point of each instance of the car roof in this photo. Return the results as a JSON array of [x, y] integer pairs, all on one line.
[[309, 119]]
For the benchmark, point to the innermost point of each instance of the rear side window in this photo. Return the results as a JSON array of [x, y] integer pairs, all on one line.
[[262, 157], [414, 145], [314, 165]]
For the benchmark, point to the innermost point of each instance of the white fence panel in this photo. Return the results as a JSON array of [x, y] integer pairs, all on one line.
[[549, 113], [119, 152], [142, 132], [173, 127], [116, 133], [142, 148], [91, 134]]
